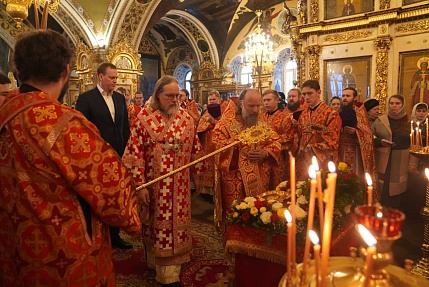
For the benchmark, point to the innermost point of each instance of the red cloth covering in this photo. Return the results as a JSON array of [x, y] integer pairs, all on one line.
[[262, 262]]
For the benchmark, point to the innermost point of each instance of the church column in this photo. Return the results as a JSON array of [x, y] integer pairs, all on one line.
[[382, 68], [314, 69]]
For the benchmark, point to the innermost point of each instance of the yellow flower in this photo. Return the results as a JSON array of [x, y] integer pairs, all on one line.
[[235, 214], [236, 202], [342, 166], [262, 209], [254, 211]]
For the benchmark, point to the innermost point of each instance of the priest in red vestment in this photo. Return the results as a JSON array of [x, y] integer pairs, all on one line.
[[276, 120], [242, 168], [205, 133], [319, 129], [189, 105], [58, 178], [163, 138]]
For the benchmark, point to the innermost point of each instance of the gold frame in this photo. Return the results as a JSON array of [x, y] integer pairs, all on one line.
[[337, 8]]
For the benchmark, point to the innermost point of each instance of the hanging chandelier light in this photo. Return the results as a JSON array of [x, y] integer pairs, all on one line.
[[259, 51], [18, 10]]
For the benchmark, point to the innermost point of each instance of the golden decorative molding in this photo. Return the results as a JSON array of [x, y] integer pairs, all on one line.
[[348, 36], [415, 27], [422, 11], [84, 63], [384, 4], [314, 69], [128, 64], [302, 11], [314, 11], [381, 70]]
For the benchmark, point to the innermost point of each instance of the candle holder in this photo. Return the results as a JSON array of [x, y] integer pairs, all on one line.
[[422, 267]]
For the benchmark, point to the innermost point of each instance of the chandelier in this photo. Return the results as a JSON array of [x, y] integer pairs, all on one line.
[[18, 10]]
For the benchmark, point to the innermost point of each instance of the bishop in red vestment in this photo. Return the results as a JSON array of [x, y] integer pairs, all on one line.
[[163, 138]]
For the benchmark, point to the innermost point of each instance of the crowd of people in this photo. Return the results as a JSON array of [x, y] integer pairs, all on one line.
[[71, 179]]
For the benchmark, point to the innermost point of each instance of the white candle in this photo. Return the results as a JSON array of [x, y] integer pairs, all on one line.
[[319, 193], [370, 188], [331, 183], [370, 251], [316, 253], [310, 218]]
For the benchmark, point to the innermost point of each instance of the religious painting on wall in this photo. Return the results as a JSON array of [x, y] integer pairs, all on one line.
[[414, 77], [151, 74], [350, 72], [342, 8]]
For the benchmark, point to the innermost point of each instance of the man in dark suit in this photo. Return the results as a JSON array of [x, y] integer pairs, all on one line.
[[107, 110]]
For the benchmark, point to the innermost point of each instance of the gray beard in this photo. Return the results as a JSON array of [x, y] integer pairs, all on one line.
[[250, 120]]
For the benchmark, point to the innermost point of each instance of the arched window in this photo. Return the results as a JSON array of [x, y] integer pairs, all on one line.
[[246, 75], [290, 74], [188, 77]]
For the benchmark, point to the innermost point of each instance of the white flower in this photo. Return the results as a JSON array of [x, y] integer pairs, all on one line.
[[347, 208], [298, 192], [250, 201], [243, 205], [302, 200], [272, 201], [300, 213], [266, 217], [276, 206]]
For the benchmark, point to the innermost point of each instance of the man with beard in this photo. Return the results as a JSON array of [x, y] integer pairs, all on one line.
[[356, 141], [163, 138], [293, 110], [107, 110], [318, 131], [243, 168], [276, 120], [54, 165], [189, 105]]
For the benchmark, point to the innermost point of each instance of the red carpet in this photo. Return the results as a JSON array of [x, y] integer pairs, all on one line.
[[207, 268]]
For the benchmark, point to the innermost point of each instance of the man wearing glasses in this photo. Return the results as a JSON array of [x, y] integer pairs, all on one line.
[[163, 138]]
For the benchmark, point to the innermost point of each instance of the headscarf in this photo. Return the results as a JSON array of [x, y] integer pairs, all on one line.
[[413, 113], [401, 113]]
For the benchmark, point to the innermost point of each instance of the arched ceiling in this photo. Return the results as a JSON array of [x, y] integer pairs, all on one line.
[[103, 23]]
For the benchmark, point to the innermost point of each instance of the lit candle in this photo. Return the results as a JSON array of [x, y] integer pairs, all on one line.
[[370, 188], [45, 15], [319, 192], [288, 217], [316, 253], [420, 138], [293, 202], [310, 218], [370, 251], [331, 183], [426, 122], [411, 141]]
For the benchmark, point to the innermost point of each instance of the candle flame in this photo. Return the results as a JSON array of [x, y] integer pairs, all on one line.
[[288, 216], [312, 172], [379, 214], [366, 235], [314, 163], [331, 167], [368, 179], [427, 172], [313, 237]]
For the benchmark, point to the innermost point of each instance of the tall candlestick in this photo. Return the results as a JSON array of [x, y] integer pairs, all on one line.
[[370, 188], [316, 254], [293, 203], [411, 141], [331, 183], [288, 217], [370, 251], [426, 126], [45, 15], [310, 218], [420, 137], [319, 193]]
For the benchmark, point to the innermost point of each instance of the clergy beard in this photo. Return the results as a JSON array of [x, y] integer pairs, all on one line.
[[347, 106], [293, 107], [63, 91], [250, 120], [171, 110]]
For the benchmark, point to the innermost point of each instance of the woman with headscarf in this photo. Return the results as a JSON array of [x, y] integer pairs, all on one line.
[[392, 143], [417, 180]]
